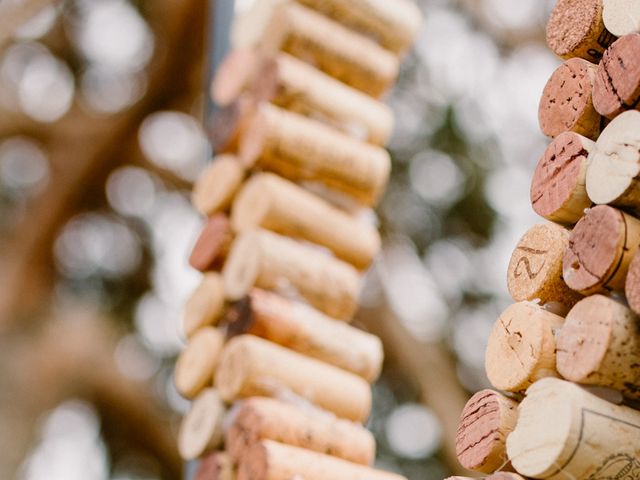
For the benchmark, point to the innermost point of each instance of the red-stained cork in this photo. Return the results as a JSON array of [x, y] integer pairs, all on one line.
[[566, 101], [617, 85], [558, 190], [576, 29], [632, 287], [216, 466], [212, 245], [227, 124], [485, 422], [600, 249]]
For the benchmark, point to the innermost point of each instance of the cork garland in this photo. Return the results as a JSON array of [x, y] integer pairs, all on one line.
[[571, 343], [280, 380]]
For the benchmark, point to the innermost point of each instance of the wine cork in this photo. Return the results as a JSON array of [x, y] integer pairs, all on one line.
[[262, 418], [566, 104], [614, 164], [266, 260], [273, 203], [601, 247], [307, 331], [205, 305], [521, 347], [621, 17], [269, 460], [394, 24], [197, 362], [558, 188], [565, 432], [251, 366], [576, 29], [535, 269], [227, 124], [632, 284], [299, 148], [236, 71], [216, 466], [201, 429], [599, 344], [617, 85], [212, 245], [336, 50], [486, 421], [296, 86], [214, 190], [505, 476]]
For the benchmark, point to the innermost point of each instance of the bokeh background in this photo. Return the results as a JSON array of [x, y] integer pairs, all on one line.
[[101, 137]]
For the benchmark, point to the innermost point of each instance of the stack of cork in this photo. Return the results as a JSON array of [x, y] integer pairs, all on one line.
[[565, 359], [280, 380]]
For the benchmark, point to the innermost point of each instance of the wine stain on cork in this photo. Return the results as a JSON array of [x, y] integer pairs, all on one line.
[[617, 84], [632, 285], [566, 101], [558, 187]]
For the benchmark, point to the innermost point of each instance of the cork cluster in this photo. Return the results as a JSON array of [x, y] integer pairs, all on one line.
[[565, 359], [280, 381]]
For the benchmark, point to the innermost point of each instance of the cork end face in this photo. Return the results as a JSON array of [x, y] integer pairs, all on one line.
[[571, 24], [266, 85], [228, 124], [196, 364], [534, 448], [535, 267], [201, 428], [595, 248], [584, 338], [558, 186], [617, 85], [242, 266], [233, 76], [233, 369], [619, 16], [518, 351], [615, 162], [205, 306], [566, 101], [214, 189], [212, 244], [632, 285], [478, 439], [253, 139], [254, 464], [252, 203]]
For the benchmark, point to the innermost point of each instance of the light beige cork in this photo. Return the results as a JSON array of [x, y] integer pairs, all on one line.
[[215, 188], [261, 418], [599, 344], [302, 149], [269, 460], [205, 306], [535, 269], [201, 430], [273, 262], [338, 51], [197, 362], [274, 203], [306, 330], [563, 432], [522, 347], [251, 366]]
